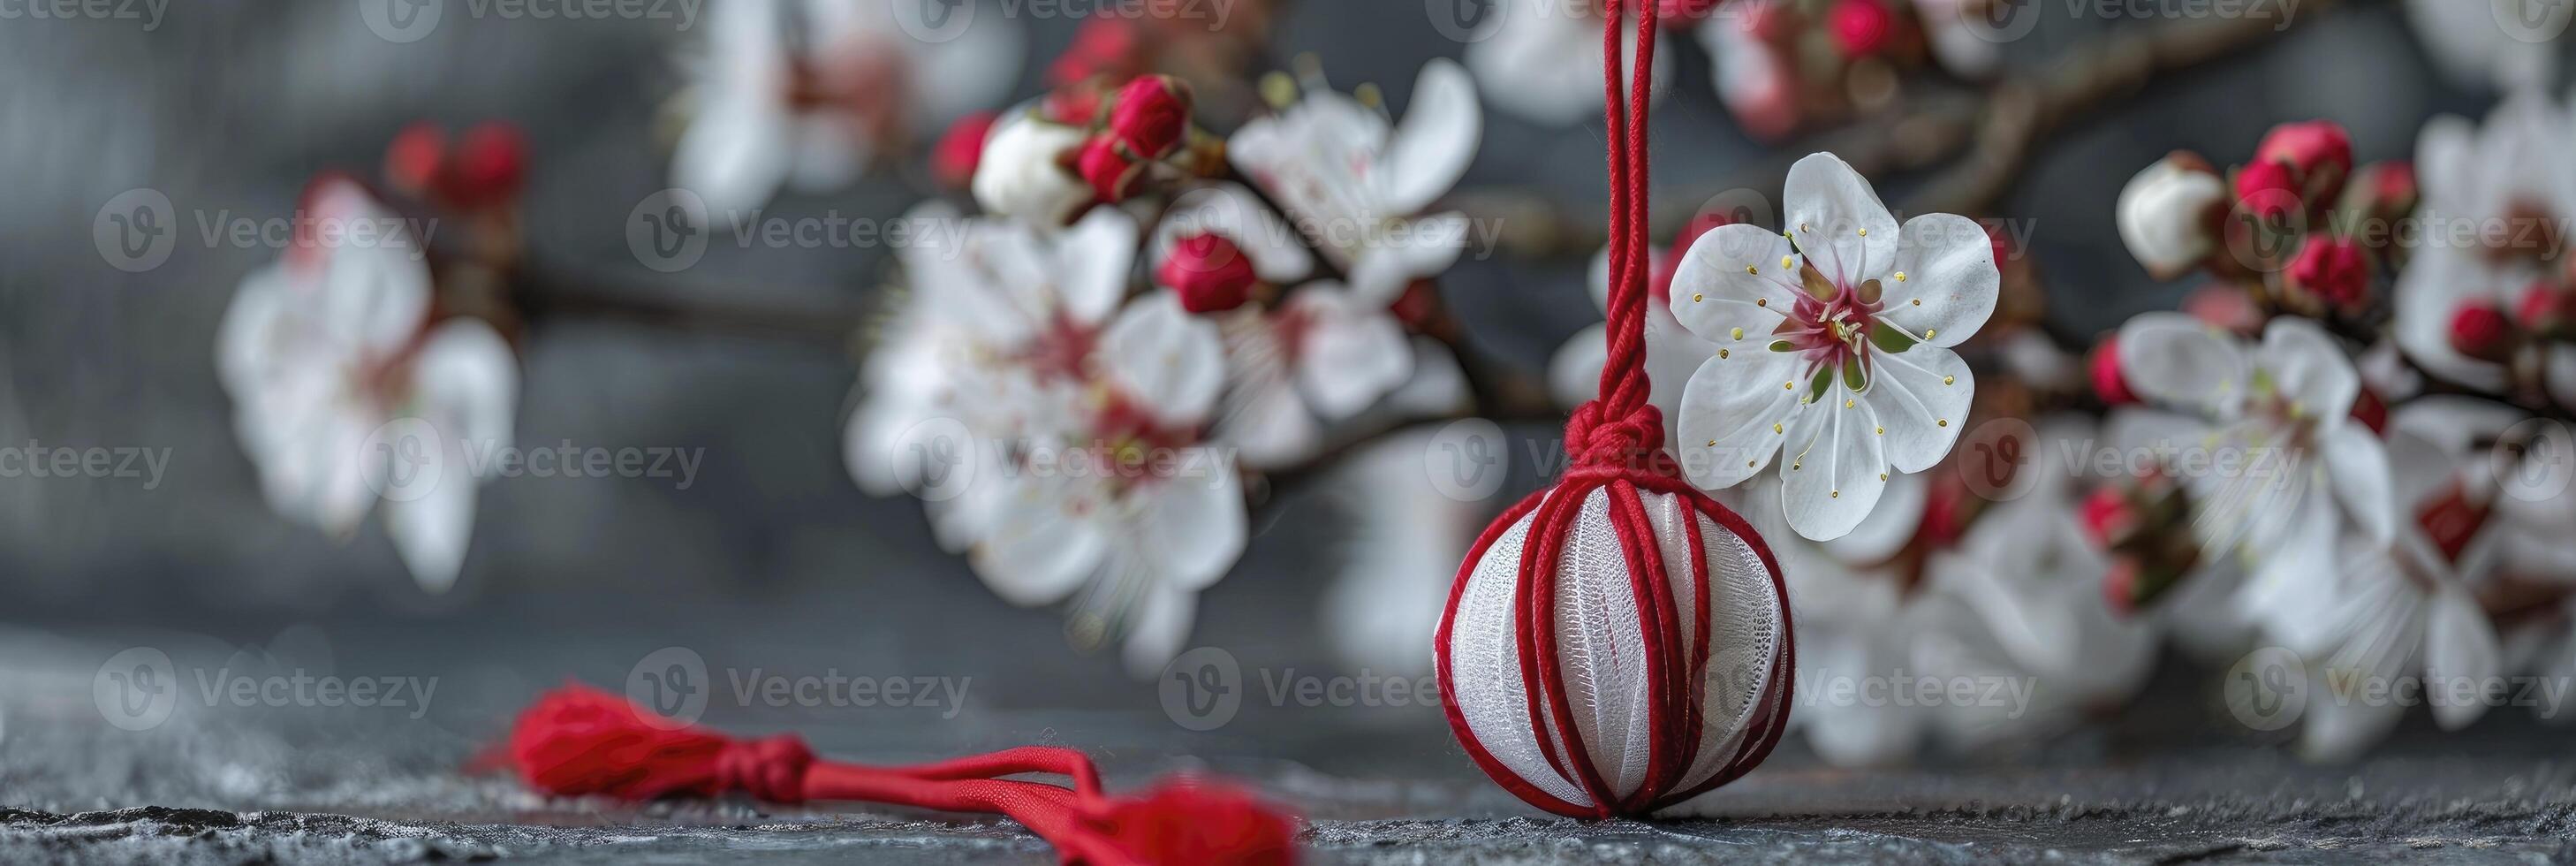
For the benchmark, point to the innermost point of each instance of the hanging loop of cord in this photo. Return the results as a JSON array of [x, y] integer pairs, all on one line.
[[1620, 427]]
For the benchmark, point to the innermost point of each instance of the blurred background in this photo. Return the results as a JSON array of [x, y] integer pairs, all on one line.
[[769, 560]]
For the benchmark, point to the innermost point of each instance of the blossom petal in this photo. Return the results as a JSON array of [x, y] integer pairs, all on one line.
[[1880, 536], [1731, 288], [735, 154], [1271, 426], [1733, 418], [2430, 290], [1169, 361], [1192, 524], [2176, 360], [2310, 370], [467, 382], [1227, 209], [432, 531], [1353, 353], [1434, 143], [1159, 623], [1044, 550], [1838, 472], [1949, 281], [2459, 645], [2357, 465], [1412, 250], [1093, 260], [1921, 396], [1847, 734], [1838, 221]]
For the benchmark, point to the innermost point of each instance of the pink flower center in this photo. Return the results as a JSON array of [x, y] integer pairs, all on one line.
[[1832, 333]]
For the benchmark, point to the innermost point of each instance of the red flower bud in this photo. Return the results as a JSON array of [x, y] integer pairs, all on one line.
[[1209, 272], [2479, 330], [953, 160], [2105, 367], [2546, 308], [2108, 517], [412, 162], [1111, 174], [2333, 270], [491, 163], [2317, 151], [2270, 191], [1860, 27], [1153, 114]]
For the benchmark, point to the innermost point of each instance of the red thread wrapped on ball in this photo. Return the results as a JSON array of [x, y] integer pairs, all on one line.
[[1619, 642]]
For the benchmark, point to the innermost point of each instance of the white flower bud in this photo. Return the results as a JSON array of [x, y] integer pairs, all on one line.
[[1019, 176], [2164, 214]]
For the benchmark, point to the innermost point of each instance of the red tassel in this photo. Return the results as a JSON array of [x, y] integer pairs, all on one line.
[[580, 741]]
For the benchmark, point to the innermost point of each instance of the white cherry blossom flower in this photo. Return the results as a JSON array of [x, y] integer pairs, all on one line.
[[1833, 346], [1323, 355], [2287, 472], [803, 93], [1020, 174], [2507, 181], [1129, 515], [342, 384], [1000, 322], [1359, 185]]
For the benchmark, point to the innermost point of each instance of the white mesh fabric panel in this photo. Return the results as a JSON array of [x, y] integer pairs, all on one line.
[[1744, 625], [1601, 648]]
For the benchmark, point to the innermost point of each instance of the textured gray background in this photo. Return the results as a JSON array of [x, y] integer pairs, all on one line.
[[772, 559]]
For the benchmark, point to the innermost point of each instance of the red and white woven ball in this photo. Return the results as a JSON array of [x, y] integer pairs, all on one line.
[[1636, 654]]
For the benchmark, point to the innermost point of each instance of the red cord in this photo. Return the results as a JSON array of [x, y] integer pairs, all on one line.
[[579, 741]]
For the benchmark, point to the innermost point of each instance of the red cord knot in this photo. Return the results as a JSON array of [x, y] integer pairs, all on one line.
[[771, 770], [1628, 441]]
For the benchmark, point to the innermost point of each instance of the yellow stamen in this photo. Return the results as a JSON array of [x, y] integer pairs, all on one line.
[[1737, 333], [1949, 379], [1900, 276]]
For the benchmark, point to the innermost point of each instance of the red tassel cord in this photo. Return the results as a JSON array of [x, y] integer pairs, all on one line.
[[580, 741]]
